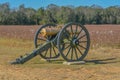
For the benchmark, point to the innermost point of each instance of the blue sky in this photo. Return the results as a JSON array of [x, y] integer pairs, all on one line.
[[43, 3]]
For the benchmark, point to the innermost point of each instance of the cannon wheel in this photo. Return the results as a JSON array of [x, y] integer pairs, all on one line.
[[76, 41], [39, 40]]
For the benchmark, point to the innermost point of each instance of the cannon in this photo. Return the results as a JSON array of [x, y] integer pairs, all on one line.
[[72, 42]]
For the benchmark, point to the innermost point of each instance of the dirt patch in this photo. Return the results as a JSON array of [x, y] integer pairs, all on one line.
[[105, 72]]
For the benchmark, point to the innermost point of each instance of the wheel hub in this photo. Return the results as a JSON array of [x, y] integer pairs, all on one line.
[[75, 42]]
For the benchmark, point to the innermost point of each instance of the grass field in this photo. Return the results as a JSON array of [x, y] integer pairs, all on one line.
[[102, 61]]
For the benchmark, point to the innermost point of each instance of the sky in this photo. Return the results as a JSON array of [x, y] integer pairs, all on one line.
[[43, 3]]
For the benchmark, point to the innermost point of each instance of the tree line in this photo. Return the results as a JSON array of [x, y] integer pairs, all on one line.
[[59, 14]]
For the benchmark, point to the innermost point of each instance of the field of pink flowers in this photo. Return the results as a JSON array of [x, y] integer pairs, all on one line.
[[99, 34]]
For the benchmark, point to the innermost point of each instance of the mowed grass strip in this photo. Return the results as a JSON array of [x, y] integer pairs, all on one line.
[[11, 49]]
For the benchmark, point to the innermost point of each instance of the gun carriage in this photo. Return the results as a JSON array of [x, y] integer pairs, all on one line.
[[71, 41]]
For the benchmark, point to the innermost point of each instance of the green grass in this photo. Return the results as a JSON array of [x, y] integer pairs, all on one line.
[[10, 49]]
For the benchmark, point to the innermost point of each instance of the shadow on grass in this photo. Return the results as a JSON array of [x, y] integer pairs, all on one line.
[[103, 61], [96, 61]]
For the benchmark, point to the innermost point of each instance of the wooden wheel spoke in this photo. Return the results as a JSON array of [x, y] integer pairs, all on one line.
[[54, 51], [72, 54], [82, 41], [67, 47], [76, 28], [82, 46], [46, 52], [79, 51], [71, 30], [76, 53], [50, 52], [68, 52], [66, 32], [82, 36], [79, 33], [76, 31]]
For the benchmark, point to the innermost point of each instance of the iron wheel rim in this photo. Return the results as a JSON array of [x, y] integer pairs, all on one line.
[[74, 49]]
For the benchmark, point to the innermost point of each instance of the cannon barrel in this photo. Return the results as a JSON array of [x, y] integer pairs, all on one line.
[[49, 31], [55, 31]]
